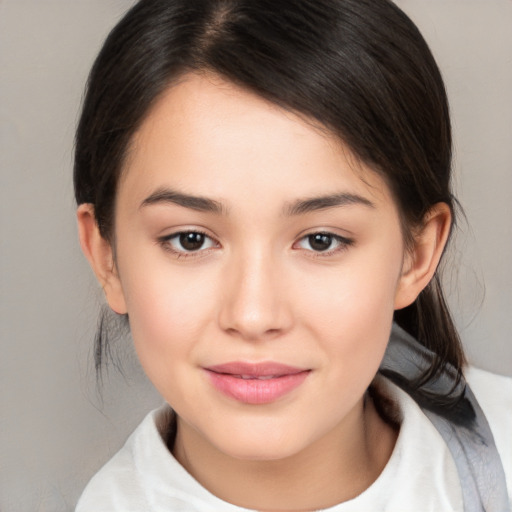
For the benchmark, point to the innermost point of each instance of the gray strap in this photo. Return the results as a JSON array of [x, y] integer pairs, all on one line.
[[470, 440]]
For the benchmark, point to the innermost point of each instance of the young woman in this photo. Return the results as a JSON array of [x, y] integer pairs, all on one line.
[[264, 195]]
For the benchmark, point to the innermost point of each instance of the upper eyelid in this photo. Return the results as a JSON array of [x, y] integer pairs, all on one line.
[[213, 237], [184, 231], [340, 238], [337, 236], [165, 240], [181, 231], [344, 244]]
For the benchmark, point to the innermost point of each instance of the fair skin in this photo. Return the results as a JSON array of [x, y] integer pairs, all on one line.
[[300, 261]]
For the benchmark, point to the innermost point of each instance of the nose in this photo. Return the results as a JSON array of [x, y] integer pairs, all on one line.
[[255, 305]]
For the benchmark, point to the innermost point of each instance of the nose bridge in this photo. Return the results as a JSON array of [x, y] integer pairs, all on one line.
[[254, 305]]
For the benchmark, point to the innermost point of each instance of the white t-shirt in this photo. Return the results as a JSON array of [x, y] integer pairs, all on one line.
[[420, 475]]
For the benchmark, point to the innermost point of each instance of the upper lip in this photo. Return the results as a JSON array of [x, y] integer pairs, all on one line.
[[260, 369]]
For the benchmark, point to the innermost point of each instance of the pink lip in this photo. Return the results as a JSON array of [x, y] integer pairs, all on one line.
[[263, 383]]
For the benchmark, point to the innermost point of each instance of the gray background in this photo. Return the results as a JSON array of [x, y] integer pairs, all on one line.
[[55, 428]]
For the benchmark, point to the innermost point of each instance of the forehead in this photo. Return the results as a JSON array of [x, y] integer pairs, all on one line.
[[210, 137]]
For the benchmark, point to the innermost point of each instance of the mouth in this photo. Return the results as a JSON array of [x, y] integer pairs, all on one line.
[[256, 383]]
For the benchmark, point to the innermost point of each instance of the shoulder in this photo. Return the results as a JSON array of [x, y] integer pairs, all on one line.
[[495, 391], [494, 394], [117, 486], [144, 475]]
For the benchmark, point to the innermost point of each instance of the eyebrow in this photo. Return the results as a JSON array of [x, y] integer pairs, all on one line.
[[299, 207], [198, 203], [303, 206]]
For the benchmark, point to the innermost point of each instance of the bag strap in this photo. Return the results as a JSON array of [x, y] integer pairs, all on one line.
[[462, 425]]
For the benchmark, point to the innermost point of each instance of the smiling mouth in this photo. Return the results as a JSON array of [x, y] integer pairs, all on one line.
[[261, 377], [256, 383]]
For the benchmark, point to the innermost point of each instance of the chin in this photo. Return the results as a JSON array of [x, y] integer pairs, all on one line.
[[262, 451], [259, 442]]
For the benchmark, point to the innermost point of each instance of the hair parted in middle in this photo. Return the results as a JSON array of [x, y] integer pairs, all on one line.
[[358, 68]]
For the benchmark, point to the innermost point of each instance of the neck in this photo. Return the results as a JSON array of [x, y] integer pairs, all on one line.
[[335, 468]]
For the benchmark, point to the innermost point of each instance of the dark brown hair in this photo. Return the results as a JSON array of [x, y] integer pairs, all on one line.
[[359, 67]]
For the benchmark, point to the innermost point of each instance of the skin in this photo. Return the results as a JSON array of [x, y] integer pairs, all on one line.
[[258, 291]]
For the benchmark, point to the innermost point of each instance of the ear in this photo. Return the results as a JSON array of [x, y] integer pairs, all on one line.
[[98, 252], [421, 261]]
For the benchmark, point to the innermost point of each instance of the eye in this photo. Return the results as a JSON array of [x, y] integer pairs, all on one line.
[[188, 242], [324, 242]]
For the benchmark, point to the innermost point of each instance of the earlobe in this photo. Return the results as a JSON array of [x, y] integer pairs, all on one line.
[[420, 263], [98, 252]]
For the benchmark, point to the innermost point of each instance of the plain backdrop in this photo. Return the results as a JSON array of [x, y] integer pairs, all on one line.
[[56, 428]]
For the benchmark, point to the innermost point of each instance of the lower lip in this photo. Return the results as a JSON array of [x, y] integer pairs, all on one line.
[[256, 391]]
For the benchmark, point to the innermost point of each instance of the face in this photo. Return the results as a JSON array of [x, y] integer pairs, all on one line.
[[259, 264]]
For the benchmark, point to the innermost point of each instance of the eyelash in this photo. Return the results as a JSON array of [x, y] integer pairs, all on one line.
[[166, 243], [343, 243]]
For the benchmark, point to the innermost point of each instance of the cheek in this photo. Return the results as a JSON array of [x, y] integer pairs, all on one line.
[[350, 310], [360, 290], [168, 311]]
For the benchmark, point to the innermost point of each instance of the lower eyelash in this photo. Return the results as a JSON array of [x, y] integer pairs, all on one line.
[[164, 243], [344, 242]]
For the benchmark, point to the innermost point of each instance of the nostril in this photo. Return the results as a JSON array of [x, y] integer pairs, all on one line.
[[253, 305], [254, 334]]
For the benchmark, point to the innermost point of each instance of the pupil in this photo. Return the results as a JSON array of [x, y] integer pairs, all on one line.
[[320, 242], [191, 241]]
